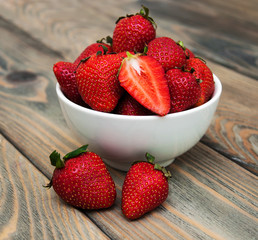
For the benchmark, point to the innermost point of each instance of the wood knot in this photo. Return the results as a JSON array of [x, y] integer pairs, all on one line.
[[21, 77]]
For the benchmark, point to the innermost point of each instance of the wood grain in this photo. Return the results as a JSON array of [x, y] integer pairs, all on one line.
[[210, 197], [224, 32], [217, 30], [63, 28], [234, 129], [30, 211]]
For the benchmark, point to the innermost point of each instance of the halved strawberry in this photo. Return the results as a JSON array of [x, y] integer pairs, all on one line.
[[143, 78]]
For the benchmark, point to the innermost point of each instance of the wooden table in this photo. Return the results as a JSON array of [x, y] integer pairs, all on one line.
[[213, 190]]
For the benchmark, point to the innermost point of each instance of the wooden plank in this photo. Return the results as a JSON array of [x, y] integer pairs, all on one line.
[[33, 83], [29, 211], [62, 29], [234, 129], [210, 198], [224, 31], [204, 183]]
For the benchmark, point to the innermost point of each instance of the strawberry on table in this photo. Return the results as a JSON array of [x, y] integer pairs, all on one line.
[[144, 79], [167, 52], [129, 106], [133, 32], [64, 72], [82, 180], [97, 81], [204, 74], [93, 48], [185, 90], [145, 188]]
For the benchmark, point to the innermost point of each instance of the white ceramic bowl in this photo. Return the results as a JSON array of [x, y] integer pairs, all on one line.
[[120, 140]]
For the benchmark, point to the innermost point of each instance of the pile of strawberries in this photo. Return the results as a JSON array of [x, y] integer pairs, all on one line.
[[136, 73]]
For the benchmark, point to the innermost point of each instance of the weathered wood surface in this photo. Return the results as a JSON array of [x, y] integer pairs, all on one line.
[[211, 197], [216, 30], [29, 211], [224, 31]]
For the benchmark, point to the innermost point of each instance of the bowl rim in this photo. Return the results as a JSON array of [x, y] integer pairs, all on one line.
[[215, 97]]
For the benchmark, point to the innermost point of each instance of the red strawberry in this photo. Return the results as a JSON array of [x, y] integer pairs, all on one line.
[[129, 106], [167, 52], [185, 91], [188, 52], [133, 32], [99, 46], [82, 180], [145, 188], [64, 72], [144, 79], [202, 72], [97, 81]]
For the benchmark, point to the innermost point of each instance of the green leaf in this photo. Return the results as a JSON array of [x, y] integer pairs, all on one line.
[[150, 158], [76, 152], [109, 40], [56, 160]]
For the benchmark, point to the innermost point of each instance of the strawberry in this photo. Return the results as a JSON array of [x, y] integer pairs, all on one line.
[[64, 72], [144, 79], [133, 32], [82, 180], [145, 188], [188, 52], [129, 106], [97, 81], [99, 46], [185, 90], [202, 72], [167, 52]]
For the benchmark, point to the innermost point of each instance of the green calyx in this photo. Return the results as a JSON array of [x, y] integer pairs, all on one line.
[[76, 152], [181, 44], [108, 40], [166, 173], [151, 159], [82, 61], [105, 49], [144, 12], [57, 162]]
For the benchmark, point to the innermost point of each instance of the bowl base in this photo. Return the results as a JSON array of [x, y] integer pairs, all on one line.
[[125, 166]]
